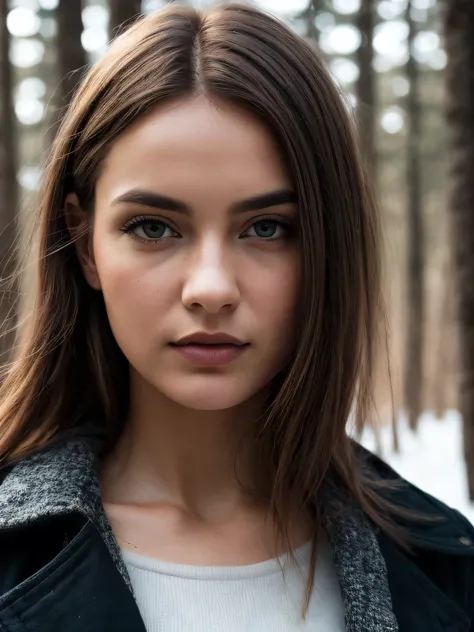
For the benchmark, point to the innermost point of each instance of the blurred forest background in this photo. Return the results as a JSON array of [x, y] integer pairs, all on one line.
[[406, 70]]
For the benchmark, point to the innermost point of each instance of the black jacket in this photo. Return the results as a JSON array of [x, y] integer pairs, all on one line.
[[57, 573]]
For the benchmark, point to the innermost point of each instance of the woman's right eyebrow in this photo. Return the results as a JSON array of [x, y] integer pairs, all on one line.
[[165, 203], [155, 200]]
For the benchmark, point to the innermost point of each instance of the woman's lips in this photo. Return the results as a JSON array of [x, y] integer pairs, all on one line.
[[210, 354]]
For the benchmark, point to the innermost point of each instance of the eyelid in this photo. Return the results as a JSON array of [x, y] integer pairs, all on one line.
[[280, 219], [137, 219]]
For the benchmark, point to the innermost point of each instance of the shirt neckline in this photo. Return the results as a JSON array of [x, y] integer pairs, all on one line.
[[238, 572]]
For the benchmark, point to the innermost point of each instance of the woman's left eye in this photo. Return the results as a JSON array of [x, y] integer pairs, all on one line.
[[267, 229]]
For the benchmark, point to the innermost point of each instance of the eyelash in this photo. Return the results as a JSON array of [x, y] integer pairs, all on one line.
[[134, 223]]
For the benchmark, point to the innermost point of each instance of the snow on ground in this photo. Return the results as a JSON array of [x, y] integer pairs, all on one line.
[[432, 458]]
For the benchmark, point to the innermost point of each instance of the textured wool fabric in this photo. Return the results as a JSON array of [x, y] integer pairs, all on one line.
[[361, 567], [64, 479]]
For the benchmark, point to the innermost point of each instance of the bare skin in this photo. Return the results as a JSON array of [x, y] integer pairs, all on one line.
[[205, 264]]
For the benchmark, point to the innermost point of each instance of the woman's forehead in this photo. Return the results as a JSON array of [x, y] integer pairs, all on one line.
[[193, 145]]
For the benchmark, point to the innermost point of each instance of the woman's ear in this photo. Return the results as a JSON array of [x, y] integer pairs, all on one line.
[[79, 226]]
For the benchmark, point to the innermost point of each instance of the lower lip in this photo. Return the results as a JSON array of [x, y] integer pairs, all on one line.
[[210, 355]]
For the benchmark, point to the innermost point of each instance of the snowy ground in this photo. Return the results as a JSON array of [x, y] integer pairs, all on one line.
[[432, 459]]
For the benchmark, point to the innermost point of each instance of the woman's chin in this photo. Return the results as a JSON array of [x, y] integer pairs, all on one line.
[[206, 401], [209, 396]]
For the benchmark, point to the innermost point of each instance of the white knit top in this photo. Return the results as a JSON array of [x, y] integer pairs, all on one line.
[[253, 598]]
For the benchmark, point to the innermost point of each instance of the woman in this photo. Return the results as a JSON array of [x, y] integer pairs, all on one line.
[[204, 321]]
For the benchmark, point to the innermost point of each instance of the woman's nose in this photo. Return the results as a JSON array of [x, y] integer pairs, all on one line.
[[211, 282]]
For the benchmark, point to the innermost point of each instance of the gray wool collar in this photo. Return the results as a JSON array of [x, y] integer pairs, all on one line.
[[63, 479]]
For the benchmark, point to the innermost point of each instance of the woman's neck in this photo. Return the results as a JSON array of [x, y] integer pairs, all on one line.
[[170, 488], [168, 453]]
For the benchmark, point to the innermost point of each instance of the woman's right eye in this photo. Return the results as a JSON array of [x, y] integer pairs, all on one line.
[[149, 229]]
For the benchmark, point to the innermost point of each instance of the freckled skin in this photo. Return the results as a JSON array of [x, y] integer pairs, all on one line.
[[208, 155]]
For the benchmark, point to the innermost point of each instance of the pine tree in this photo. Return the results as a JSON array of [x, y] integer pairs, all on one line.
[[121, 13], [72, 57], [366, 85], [8, 188], [413, 375], [459, 29]]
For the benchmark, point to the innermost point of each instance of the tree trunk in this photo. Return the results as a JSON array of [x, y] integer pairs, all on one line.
[[460, 115], [413, 382], [366, 105], [8, 190], [121, 12], [71, 54], [443, 368], [366, 87], [309, 15]]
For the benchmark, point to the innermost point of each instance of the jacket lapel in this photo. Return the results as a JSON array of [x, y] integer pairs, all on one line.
[[378, 580], [418, 602], [58, 481], [81, 589], [420, 605], [360, 565], [84, 584]]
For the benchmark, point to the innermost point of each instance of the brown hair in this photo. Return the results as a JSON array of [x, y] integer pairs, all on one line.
[[68, 369]]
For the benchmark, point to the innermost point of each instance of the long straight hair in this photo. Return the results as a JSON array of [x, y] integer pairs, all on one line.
[[69, 371]]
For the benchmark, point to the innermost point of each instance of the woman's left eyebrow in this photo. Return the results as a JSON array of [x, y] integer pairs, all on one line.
[[275, 198], [165, 203]]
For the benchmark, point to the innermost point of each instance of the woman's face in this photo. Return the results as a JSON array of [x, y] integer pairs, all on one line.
[[195, 233]]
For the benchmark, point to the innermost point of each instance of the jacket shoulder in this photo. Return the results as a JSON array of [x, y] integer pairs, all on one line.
[[439, 526]]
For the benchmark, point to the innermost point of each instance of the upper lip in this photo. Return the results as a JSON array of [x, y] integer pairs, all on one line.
[[203, 338]]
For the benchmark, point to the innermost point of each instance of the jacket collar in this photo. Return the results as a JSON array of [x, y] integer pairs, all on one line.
[[58, 481], [63, 479]]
